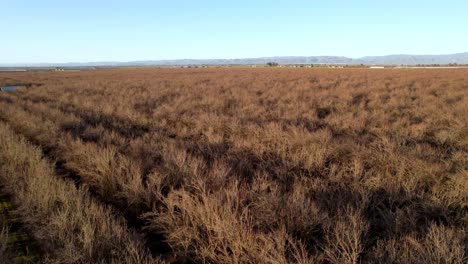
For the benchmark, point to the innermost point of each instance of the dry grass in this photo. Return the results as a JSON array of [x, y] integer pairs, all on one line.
[[5, 255], [72, 228], [258, 165]]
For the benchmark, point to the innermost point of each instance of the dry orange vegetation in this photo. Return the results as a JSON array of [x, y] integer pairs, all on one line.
[[240, 165]]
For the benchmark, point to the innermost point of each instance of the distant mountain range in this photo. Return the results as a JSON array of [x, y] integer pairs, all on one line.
[[459, 58]]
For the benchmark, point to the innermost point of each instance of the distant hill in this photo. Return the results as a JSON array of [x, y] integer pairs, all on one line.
[[460, 58]]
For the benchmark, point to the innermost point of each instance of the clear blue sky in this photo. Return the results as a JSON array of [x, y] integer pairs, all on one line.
[[94, 30]]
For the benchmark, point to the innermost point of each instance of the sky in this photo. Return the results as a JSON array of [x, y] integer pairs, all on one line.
[[54, 31]]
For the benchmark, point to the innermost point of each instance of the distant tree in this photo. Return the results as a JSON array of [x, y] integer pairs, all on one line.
[[272, 64]]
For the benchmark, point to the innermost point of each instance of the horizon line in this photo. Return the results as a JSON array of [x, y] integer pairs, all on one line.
[[231, 59]]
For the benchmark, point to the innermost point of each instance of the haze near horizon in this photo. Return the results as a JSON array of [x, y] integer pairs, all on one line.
[[86, 31]]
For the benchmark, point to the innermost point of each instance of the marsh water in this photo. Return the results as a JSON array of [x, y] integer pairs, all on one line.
[[8, 88]]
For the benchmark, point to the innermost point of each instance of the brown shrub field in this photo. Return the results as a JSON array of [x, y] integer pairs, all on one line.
[[238, 165]]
